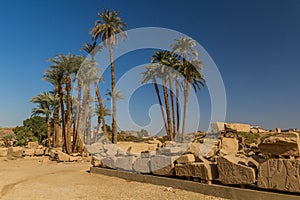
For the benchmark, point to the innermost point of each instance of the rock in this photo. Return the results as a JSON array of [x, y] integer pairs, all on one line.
[[187, 158], [16, 152], [163, 165], [204, 171], [63, 157], [278, 130], [74, 158], [279, 174], [121, 152], [125, 163], [47, 151], [228, 146], [217, 127], [32, 145], [40, 147], [171, 151], [39, 152], [3, 152], [253, 130], [52, 153], [232, 170], [96, 161], [109, 162], [110, 149], [28, 152], [142, 165], [260, 130], [237, 127], [285, 144], [95, 148]]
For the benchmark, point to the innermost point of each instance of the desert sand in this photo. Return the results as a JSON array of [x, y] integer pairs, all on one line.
[[39, 178]]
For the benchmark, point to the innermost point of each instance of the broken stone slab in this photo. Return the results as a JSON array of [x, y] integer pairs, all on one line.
[[110, 149], [187, 158], [142, 165], [39, 152], [28, 152], [279, 174], [237, 127], [15, 152], [232, 170], [217, 127], [228, 146], [95, 148], [96, 161], [204, 171], [63, 157], [163, 165], [171, 151], [285, 144], [109, 162], [125, 163], [75, 158], [3, 152]]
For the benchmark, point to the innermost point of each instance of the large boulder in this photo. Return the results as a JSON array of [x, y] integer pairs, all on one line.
[[3, 152], [142, 165], [279, 174], [237, 127], [285, 144], [125, 163], [228, 146], [15, 152], [163, 165], [202, 170], [233, 170]]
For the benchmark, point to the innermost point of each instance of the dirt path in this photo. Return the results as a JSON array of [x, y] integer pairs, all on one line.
[[43, 179]]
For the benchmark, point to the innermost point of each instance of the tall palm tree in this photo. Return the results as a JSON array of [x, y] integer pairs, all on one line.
[[185, 47], [108, 27], [55, 77], [99, 112], [160, 57], [46, 103], [92, 49]]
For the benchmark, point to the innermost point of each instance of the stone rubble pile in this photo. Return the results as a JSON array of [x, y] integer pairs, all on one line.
[[272, 164]]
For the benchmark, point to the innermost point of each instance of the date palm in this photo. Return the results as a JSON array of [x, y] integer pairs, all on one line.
[[108, 27]]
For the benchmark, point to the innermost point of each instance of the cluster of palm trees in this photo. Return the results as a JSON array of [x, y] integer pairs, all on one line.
[[73, 116], [181, 68]]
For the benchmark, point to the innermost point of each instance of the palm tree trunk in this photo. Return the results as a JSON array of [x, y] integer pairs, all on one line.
[[114, 100], [160, 103], [85, 105], [69, 110], [77, 116], [48, 130], [172, 104], [56, 121], [177, 107], [186, 99], [101, 108], [62, 107], [166, 97]]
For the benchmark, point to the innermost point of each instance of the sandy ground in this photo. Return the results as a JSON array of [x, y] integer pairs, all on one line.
[[39, 178]]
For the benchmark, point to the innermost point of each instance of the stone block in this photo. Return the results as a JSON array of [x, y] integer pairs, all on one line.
[[232, 170], [187, 158], [110, 149], [204, 171], [237, 127], [228, 146], [109, 162], [63, 157], [217, 127], [16, 152], [32, 145], [125, 163], [96, 161], [3, 152], [39, 152], [163, 165], [28, 152], [142, 165]]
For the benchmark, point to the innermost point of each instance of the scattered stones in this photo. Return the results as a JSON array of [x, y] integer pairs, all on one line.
[[285, 144], [279, 174], [232, 170]]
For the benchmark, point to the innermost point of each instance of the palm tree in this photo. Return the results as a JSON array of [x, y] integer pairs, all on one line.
[[185, 47], [108, 27], [150, 74], [92, 49], [46, 103], [54, 77], [100, 112]]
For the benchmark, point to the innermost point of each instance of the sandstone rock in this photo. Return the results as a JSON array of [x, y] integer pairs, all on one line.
[[3, 152], [52, 153], [16, 152], [171, 151], [232, 170], [142, 165], [217, 127], [63, 157], [285, 144], [279, 174], [228, 146], [278, 130], [187, 158], [96, 161], [33, 145], [253, 130], [39, 152], [28, 152], [109, 162], [204, 171], [260, 130], [47, 151], [163, 165], [74, 158], [237, 127], [125, 163]]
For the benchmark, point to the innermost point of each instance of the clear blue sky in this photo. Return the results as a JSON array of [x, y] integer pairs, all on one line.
[[255, 44]]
